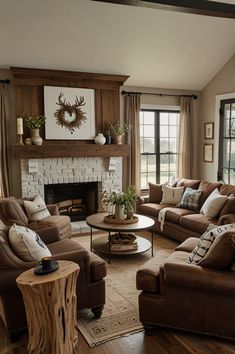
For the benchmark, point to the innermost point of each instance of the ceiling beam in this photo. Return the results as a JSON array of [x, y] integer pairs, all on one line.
[[199, 7]]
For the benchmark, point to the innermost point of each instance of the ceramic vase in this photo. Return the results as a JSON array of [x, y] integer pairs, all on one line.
[[35, 137], [129, 211], [118, 139], [100, 139], [119, 212]]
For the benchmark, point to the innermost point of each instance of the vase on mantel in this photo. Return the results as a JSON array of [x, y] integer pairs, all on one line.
[[118, 139], [100, 139], [35, 137]]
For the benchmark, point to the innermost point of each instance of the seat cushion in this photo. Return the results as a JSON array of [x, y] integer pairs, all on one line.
[[196, 222], [174, 214], [64, 246], [150, 209], [148, 276], [188, 245], [61, 221], [97, 267]]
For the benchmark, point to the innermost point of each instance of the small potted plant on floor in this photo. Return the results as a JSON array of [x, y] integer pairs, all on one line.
[[35, 123]]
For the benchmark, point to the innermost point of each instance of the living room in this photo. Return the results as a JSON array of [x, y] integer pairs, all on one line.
[[156, 55]]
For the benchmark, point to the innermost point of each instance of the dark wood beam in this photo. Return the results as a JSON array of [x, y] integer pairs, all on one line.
[[199, 7]]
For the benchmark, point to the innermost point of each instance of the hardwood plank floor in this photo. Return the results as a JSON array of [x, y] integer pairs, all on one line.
[[163, 341]]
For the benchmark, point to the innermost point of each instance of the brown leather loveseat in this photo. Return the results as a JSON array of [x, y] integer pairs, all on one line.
[[177, 294]]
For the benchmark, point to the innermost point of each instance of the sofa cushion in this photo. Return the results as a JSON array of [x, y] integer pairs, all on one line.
[[190, 199], [205, 242], [227, 189], [171, 195], [174, 214], [150, 209], [155, 193], [228, 207], [207, 188], [188, 183], [221, 254], [11, 212], [213, 204], [36, 210], [27, 244], [196, 222], [148, 276]]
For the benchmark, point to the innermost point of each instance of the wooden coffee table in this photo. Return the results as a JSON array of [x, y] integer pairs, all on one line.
[[103, 244]]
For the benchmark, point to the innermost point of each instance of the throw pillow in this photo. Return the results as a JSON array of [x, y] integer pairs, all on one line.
[[171, 195], [190, 199], [36, 210], [213, 204], [26, 244], [221, 253], [155, 193], [205, 242]]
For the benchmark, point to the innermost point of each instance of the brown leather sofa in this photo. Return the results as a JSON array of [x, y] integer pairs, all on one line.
[[90, 284], [12, 211], [185, 296], [183, 223]]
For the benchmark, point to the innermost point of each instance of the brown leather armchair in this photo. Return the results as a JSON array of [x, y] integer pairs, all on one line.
[[12, 211], [90, 284]]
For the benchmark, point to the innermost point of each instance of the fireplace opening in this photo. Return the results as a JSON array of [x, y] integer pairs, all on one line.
[[77, 200]]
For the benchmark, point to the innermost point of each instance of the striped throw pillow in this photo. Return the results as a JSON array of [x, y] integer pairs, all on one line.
[[36, 210], [205, 242]]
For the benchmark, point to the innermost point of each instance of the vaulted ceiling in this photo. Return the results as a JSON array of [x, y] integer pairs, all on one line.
[[157, 48]]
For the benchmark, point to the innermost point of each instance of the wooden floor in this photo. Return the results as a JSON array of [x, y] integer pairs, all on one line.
[[163, 341]]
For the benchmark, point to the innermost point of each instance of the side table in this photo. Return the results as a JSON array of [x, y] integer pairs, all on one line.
[[51, 309]]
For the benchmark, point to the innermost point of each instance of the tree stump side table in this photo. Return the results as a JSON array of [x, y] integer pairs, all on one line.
[[51, 309]]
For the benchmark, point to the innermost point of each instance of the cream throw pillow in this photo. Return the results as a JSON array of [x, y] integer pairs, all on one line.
[[36, 210], [26, 244], [171, 195], [213, 204]]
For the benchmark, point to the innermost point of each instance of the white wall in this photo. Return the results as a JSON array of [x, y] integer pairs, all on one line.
[[222, 84]]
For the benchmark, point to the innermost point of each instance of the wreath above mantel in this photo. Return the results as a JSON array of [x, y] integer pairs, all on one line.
[[70, 116]]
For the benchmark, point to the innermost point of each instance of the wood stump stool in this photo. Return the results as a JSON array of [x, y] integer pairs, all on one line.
[[51, 309]]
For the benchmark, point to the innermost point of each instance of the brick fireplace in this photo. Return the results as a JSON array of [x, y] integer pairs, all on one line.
[[51, 171]]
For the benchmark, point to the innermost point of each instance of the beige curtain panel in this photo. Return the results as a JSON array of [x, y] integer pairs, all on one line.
[[132, 116], [4, 173], [185, 157]]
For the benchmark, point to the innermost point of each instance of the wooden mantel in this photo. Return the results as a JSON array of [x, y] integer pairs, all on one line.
[[69, 150]]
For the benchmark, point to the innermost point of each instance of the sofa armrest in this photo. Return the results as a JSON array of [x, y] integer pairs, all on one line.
[[226, 219], [199, 278], [49, 234], [142, 199], [53, 209]]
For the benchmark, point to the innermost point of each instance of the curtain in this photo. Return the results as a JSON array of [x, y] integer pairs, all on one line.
[[132, 116], [4, 159], [185, 157]]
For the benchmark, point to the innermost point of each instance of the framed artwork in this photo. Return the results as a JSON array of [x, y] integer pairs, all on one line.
[[69, 112], [209, 131], [208, 153]]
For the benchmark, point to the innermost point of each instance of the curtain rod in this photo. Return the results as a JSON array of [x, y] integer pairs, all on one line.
[[7, 81], [156, 94]]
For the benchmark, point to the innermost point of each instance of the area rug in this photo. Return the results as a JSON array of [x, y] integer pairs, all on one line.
[[120, 316]]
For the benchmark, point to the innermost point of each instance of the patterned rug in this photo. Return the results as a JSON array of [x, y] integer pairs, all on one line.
[[120, 316]]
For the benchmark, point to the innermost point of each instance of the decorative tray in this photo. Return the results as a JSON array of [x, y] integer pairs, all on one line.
[[112, 220], [122, 238]]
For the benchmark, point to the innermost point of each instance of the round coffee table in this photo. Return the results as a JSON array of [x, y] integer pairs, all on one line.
[[103, 244]]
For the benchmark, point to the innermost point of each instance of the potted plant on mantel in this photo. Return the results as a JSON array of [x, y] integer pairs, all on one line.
[[118, 131], [123, 202], [35, 123]]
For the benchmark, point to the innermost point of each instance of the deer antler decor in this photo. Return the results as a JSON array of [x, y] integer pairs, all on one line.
[[69, 115]]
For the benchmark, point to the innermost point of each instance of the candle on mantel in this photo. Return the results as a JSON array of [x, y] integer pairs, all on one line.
[[19, 126]]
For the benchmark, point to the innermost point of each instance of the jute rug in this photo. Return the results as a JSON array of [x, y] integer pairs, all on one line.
[[120, 316]]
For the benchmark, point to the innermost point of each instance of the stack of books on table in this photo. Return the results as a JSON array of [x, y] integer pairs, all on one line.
[[123, 245]]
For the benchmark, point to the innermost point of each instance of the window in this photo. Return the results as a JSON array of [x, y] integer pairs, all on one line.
[[159, 145], [226, 170]]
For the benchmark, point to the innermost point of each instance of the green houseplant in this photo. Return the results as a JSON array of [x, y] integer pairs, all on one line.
[[35, 123], [118, 131], [123, 202]]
